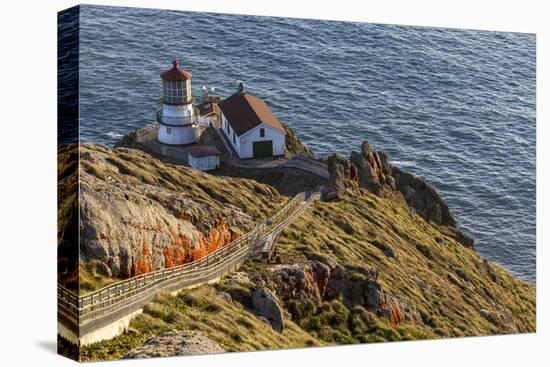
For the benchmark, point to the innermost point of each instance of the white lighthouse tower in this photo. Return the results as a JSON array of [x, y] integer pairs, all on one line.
[[177, 119]]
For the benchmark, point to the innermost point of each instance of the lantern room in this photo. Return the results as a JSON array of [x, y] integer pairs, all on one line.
[[176, 86]]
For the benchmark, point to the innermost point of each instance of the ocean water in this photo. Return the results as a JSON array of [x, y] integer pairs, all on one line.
[[454, 106]]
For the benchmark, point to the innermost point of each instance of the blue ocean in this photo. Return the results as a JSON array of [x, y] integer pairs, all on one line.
[[454, 106]]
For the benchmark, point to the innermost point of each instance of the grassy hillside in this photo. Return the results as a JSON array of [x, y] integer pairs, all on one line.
[[136, 169], [228, 323], [456, 291]]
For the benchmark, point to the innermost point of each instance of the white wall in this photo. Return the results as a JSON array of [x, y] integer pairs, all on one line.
[[235, 144], [204, 163], [276, 136], [178, 134], [243, 144], [178, 114]]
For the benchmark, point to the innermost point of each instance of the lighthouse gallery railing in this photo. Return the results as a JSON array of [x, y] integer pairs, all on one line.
[[176, 121]]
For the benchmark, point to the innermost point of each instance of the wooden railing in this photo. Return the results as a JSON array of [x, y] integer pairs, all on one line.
[[86, 313], [266, 250], [223, 139]]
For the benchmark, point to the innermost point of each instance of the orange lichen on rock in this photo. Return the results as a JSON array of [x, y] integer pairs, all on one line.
[[143, 264], [394, 316], [174, 256], [397, 312], [216, 238], [183, 250]]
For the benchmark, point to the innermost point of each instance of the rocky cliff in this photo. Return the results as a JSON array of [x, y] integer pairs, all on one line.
[[371, 171], [138, 214], [366, 252], [293, 143]]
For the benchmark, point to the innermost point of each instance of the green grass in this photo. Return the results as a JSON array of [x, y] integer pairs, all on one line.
[[230, 324], [425, 273], [134, 167]]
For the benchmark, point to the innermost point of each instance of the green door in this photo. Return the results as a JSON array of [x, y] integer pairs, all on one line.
[[262, 149]]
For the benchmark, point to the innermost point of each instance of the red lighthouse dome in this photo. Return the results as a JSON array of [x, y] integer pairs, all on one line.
[[175, 73], [176, 86]]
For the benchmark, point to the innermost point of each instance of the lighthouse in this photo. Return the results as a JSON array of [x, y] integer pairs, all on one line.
[[177, 119]]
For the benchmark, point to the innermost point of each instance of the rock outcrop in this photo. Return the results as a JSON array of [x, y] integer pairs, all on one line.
[[364, 289], [318, 282], [367, 169], [302, 281], [343, 176], [293, 144], [174, 343], [138, 214], [423, 198], [370, 170], [373, 170], [267, 305]]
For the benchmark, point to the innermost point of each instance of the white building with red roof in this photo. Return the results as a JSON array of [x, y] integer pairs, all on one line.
[[251, 127], [203, 157]]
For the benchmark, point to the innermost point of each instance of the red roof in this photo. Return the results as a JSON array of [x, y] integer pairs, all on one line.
[[205, 108], [202, 150], [245, 111], [175, 73]]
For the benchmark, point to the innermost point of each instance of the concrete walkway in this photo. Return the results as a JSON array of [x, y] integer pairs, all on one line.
[[299, 162], [147, 136]]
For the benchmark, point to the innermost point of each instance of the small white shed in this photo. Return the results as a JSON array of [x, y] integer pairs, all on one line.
[[203, 157]]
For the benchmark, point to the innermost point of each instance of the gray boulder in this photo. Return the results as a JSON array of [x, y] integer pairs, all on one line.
[[267, 305], [225, 296]]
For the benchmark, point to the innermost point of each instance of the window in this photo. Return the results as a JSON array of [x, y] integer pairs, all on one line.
[[234, 139], [174, 91], [262, 132], [168, 130]]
